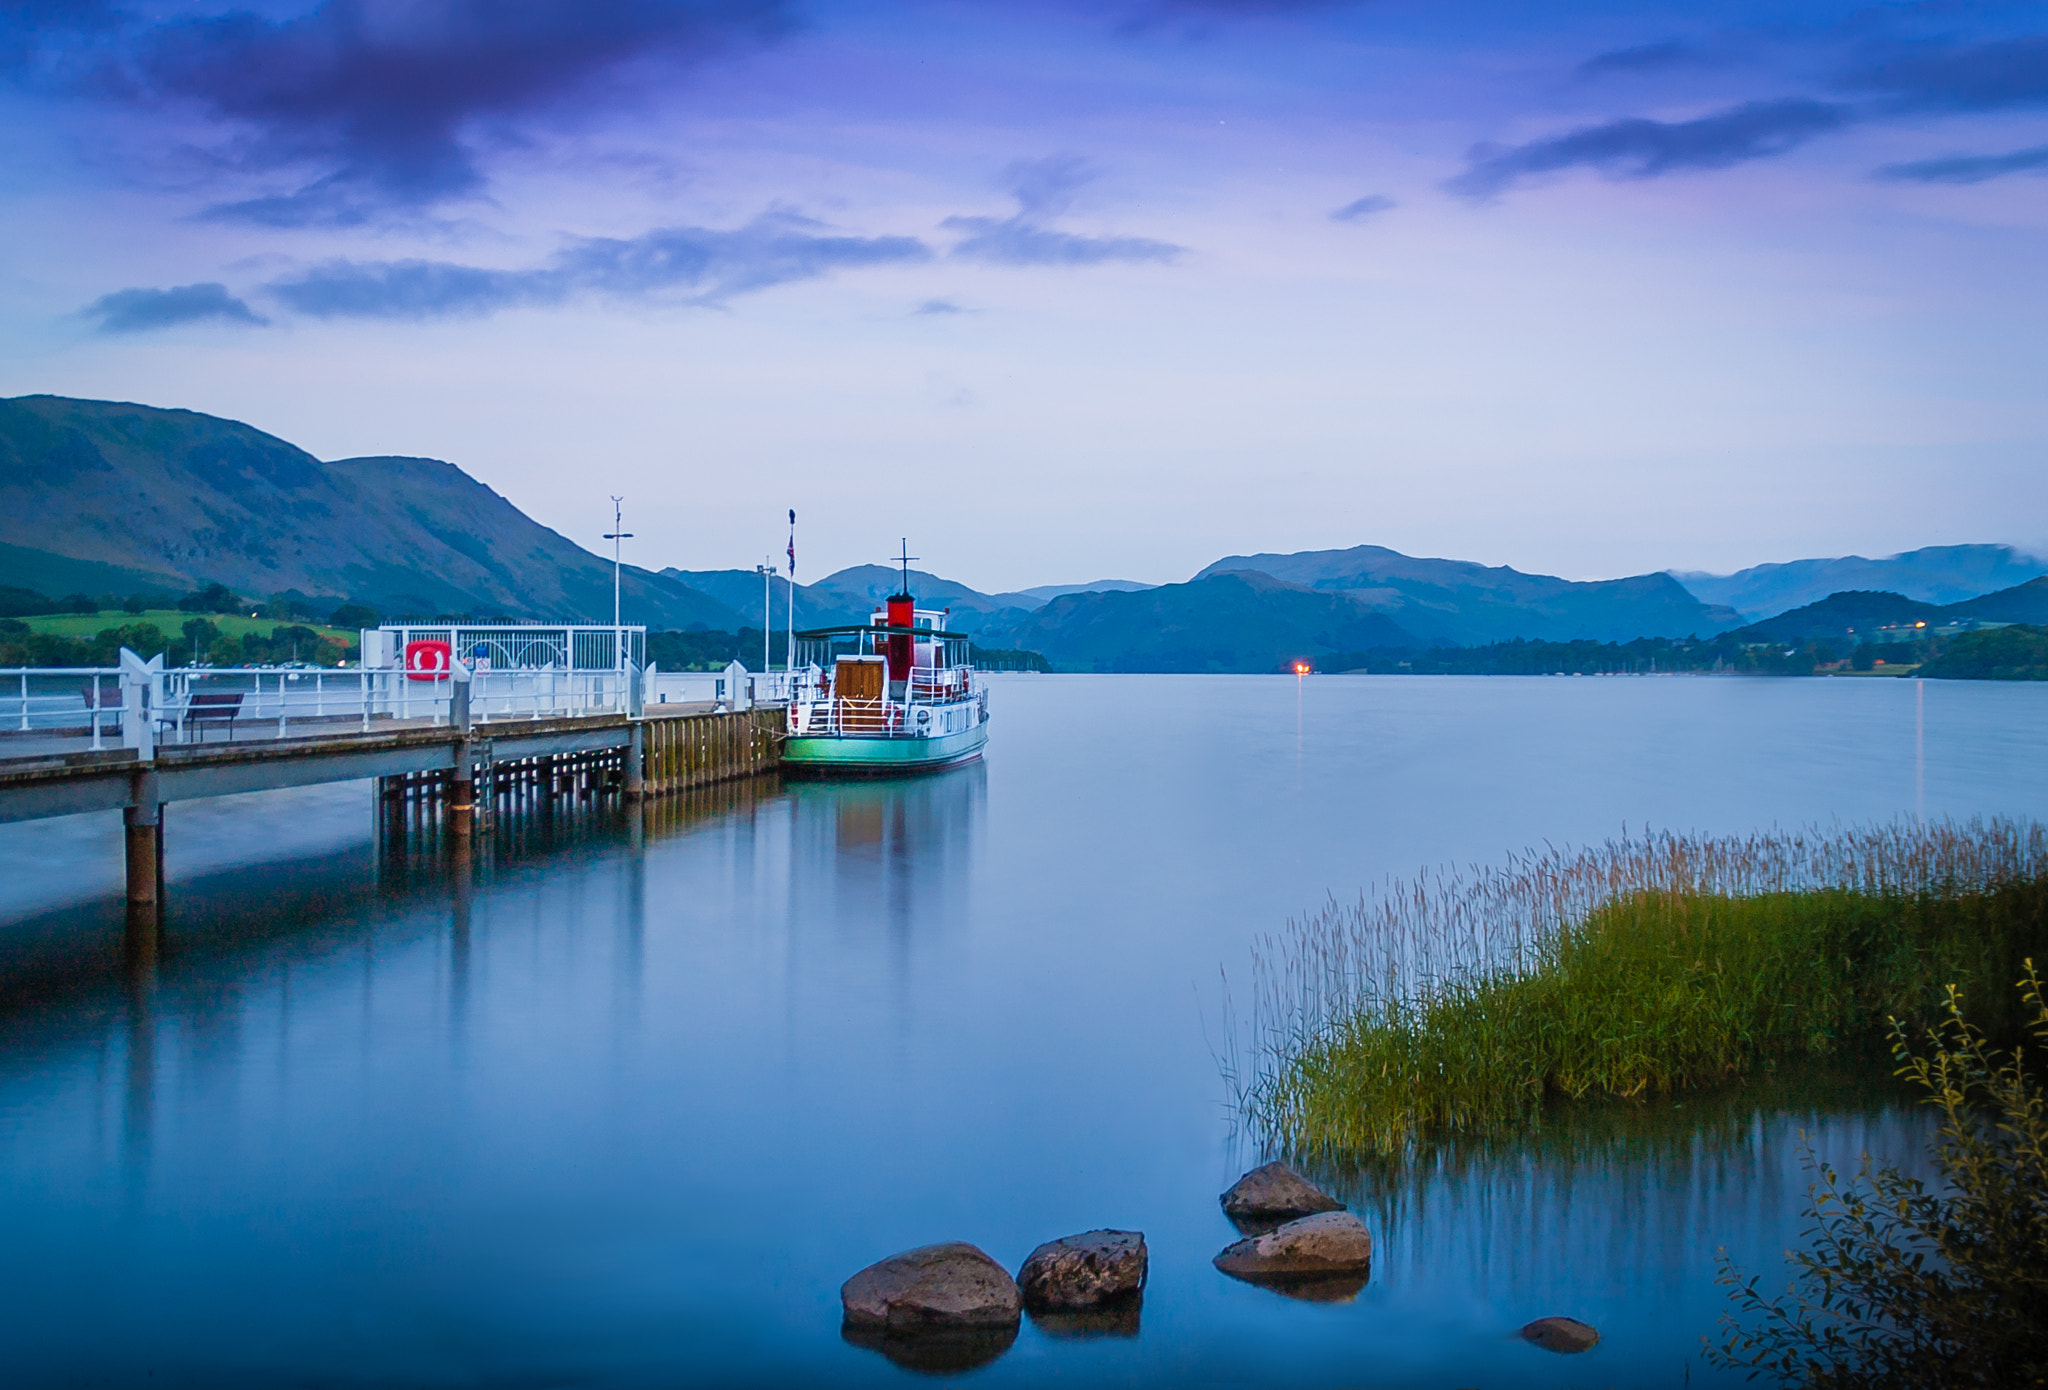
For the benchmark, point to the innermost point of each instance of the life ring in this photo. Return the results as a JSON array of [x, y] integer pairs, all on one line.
[[428, 659]]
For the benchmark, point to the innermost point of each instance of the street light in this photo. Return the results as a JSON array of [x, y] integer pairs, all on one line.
[[767, 573], [617, 535]]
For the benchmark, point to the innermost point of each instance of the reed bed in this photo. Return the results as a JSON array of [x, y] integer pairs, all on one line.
[[1457, 1005]]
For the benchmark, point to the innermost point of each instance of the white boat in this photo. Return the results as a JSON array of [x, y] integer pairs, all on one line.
[[895, 694]]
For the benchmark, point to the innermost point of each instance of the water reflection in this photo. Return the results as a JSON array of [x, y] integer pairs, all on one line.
[[934, 1351], [1120, 1318], [894, 853], [1642, 1193]]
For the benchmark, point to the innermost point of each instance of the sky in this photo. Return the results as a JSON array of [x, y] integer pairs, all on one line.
[[1072, 289]]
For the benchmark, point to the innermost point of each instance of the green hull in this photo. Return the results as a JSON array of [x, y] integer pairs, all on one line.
[[872, 756]]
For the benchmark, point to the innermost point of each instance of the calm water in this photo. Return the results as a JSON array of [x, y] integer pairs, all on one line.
[[627, 1107]]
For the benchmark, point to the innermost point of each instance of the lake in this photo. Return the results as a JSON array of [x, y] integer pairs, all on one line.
[[627, 1103]]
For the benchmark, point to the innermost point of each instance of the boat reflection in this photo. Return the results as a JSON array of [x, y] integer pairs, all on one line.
[[903, 844]]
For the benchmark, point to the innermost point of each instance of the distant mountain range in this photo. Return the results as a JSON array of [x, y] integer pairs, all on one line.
[[1937, 574], [99, 497]]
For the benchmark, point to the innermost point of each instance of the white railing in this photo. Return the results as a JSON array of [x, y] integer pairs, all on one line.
[[824, 717], [141, 704], [85, 699]]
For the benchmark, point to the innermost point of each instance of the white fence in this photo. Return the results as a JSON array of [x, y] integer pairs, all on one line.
[[142, 704]]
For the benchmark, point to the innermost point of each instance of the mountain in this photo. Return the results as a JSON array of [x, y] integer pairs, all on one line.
[[851, 595], [2022, 603], [1222, 622], [1934, 574], [1044, 593], [1461, 603], [189, 499], [1858, 613], [1850, 616]]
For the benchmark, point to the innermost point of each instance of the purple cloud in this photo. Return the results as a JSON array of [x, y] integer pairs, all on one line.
[[138, 310], [1362, 208], [1950, 76], [706, 265], [383, 97], [1640, 148], [1044, 188], [1969, 168]]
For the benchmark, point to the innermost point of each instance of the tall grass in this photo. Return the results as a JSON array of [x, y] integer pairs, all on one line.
[[1457, 1005]]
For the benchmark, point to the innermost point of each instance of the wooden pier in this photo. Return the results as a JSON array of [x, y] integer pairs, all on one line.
[[454, 774]]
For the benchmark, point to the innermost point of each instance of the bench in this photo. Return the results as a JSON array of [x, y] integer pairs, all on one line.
[[109, 701], [211, 707]]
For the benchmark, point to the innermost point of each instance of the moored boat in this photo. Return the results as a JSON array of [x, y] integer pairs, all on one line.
[[895, 694]]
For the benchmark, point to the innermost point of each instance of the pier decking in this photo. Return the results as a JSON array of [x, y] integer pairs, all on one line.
[[435, 744]]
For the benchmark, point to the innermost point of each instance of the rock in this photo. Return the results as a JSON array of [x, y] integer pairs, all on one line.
[[950, 1285], [1566, 1335], [1322, 1246], [1083, 1271], [1273, 1191]]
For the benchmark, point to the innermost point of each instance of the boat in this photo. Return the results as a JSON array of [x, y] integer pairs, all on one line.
[[895, 694]]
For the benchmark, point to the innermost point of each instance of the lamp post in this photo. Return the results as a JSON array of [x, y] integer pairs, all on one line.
[[767, 573], [617, 536]]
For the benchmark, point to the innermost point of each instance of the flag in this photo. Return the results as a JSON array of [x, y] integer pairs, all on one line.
[[792, 542]]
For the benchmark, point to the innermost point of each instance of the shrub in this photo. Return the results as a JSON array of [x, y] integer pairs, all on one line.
[[1907, 1286], [356, 615]]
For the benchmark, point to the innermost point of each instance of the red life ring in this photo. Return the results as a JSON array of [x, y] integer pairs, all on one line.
[[428, 659]]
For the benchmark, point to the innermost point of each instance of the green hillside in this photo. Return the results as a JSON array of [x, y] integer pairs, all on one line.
[[105, 497]]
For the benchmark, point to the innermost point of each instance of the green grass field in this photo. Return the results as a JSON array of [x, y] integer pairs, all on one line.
[[172, 621]]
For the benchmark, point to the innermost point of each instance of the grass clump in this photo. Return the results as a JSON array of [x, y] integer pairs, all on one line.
[[1458, 1007], [1907, 1285]]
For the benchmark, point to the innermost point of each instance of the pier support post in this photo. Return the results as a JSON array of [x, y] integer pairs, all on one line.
[[636, 759], [462, 792], [143, 822]]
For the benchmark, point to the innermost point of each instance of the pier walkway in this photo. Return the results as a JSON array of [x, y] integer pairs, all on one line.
[[139, 737]]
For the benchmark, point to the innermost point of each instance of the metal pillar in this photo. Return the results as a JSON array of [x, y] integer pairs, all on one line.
[[636, 758]]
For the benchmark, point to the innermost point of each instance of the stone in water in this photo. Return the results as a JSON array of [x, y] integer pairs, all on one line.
[[1274, 1191], [1561, 1334], [1328, 1243], [1083, 1271], [949, 1285]]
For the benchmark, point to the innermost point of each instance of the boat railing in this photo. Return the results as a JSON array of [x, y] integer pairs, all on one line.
[[823, 715]]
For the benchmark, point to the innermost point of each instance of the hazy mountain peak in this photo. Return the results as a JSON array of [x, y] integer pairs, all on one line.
[[1939, 574]]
